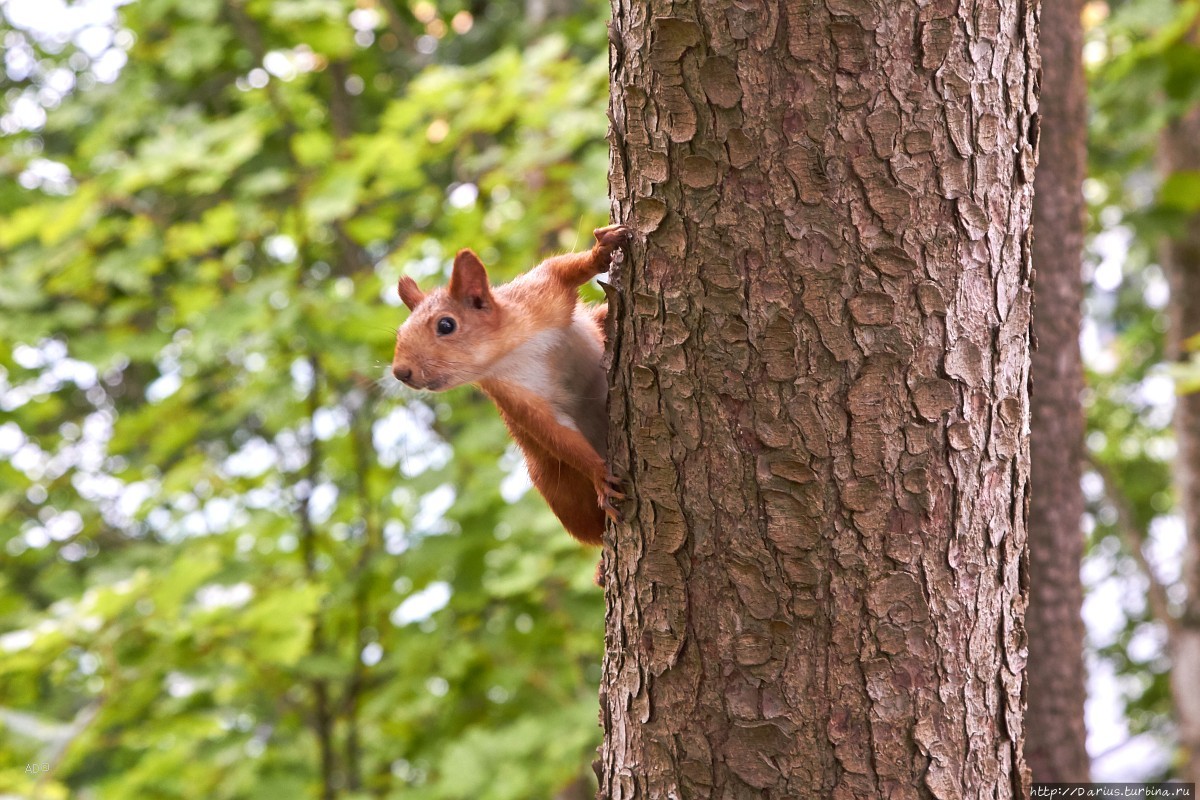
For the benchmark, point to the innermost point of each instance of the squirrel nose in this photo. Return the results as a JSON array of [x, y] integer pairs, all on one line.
[[403, 374]]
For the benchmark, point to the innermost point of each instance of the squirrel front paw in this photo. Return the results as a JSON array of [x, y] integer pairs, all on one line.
[[608, 491], [613, 236], [611, 243]]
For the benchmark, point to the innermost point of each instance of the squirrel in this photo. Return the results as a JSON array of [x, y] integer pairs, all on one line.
[[536, 351]]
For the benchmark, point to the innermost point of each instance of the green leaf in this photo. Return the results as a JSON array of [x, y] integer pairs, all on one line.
[[334, 197], [1181, 191]]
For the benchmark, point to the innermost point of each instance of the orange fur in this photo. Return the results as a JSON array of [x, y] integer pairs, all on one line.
[[536, 353]]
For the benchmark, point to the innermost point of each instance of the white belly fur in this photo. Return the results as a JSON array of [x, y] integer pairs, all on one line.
[[562, 365]]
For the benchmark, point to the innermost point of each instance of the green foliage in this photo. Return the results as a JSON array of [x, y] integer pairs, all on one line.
[[1144, 72], [226, 549], [1181, 190]]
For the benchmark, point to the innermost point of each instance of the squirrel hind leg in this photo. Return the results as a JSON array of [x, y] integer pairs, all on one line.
[[571, 497], [580, 514]]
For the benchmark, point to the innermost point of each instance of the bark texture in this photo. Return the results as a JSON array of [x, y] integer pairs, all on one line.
[[1181, 259], [1056, 744], [819, 402]]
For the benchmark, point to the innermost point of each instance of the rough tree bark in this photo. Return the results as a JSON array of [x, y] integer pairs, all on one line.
[[820, 399], [1056, 744], [1181, 260]]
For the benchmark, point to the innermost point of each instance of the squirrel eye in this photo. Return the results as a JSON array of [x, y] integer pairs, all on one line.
[[446, 326]]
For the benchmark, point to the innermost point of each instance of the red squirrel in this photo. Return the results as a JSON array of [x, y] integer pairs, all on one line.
[[536, 352]]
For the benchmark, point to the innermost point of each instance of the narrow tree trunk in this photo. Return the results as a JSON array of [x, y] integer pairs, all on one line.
[[820, 399], [1056, 745], [1181, 259]]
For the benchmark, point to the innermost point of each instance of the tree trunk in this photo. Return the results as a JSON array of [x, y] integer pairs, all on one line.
[[819, 399], [1181, 259], [1056, 745]]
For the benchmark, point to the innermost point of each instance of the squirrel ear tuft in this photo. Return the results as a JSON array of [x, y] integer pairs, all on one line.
[[469, 281], [410, 294]]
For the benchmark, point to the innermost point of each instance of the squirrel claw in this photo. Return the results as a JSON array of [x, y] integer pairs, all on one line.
[[609, 491], [611, 511]]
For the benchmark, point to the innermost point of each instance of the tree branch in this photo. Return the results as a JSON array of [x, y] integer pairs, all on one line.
[[361, 580], [323, 717], [1136, 537]]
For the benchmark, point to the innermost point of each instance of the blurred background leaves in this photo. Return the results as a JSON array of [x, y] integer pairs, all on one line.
[[1143, 68], [233, 565]]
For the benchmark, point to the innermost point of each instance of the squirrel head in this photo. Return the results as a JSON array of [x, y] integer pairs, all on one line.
[[450, 337]]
